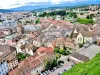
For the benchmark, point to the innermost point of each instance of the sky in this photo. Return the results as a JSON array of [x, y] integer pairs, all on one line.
[[7, 4]]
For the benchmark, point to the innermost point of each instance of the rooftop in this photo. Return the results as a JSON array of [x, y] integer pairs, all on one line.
[[32, 27], [80, 57], [91, 51]]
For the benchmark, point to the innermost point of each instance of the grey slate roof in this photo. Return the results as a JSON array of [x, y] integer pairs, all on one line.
[[80, 57], [31, 28]]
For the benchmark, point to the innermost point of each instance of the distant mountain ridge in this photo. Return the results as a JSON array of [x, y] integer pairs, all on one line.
[[5, 10], [63, 4]]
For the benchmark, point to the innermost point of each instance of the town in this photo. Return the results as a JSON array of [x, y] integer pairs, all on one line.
[[50, 42]]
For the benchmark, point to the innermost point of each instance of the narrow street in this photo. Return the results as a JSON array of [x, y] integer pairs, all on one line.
[[66, 65]]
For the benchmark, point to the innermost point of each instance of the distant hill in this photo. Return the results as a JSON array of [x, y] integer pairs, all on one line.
[[48, 5], [5, 10], [44, 7], [29, 7]]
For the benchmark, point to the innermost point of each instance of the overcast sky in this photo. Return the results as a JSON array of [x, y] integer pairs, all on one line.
[[6, 4]]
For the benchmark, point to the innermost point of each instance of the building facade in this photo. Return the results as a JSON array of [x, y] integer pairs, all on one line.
[[3, 68]]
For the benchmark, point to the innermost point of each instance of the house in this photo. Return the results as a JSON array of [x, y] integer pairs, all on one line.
[[77, 58], [3, 67], [22, 69], [33, 65], [44, 50], [6, 31], [12, 39], [85, 37], [96, 29], [2, 41], [2, 35], [37, 42], [90, 51], [12, 61], [42, 54], [26, 46], [9, 54], [31, 28], [68, 42]]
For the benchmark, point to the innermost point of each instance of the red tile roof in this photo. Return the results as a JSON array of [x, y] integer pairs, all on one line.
[[34, 61], [45, 49]]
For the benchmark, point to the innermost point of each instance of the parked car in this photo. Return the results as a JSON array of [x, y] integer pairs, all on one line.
[[49, 71], [46, 72], [54, 68], [60, 73]]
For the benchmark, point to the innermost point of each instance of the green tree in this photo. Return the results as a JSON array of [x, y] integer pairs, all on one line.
[[22, 56], [56, 50], [60, 62], [75, 16], [62, 51], [58, 55], [49, 64], [0, 20], [37, 21]]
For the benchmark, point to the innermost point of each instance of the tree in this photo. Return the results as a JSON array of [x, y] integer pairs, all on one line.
[[80, 45], [58, 55], [95, 42], [60, 62], [49, 64], [28, 21], [0, 20], [56, 50], [22, 56], [67, 52], [75, 16], [81, 13], [37, 21], [88, 17], [62, 51]]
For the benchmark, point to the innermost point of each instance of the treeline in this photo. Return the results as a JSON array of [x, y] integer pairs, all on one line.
[[72, 14], [53, 13], [60, 13]]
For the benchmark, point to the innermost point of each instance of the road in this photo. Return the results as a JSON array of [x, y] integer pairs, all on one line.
[[65, 66]]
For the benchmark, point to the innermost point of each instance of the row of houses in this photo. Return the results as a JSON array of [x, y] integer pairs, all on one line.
[[35, 64]]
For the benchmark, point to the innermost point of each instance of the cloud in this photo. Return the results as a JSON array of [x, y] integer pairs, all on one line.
[[6, 4]]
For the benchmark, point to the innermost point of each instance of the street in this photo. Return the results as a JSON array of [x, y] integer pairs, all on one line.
[[66, 65]]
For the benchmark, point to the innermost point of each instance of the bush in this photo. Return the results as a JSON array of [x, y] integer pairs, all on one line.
[[22, 56], [80, 45], [49, 64], [60, 62], [58, 55], [37, 21], [95, 42], [56, 50], [61, 51], [67, 52], [85, 21]]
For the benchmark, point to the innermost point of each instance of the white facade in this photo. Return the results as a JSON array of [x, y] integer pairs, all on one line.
[[82, 39], [36, 43], [37, 70], [13, 64]]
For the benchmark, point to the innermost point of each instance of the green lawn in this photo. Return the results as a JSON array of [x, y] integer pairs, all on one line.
[[89, 68]]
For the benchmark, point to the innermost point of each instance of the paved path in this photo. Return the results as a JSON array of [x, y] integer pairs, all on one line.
[[65, 66]]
